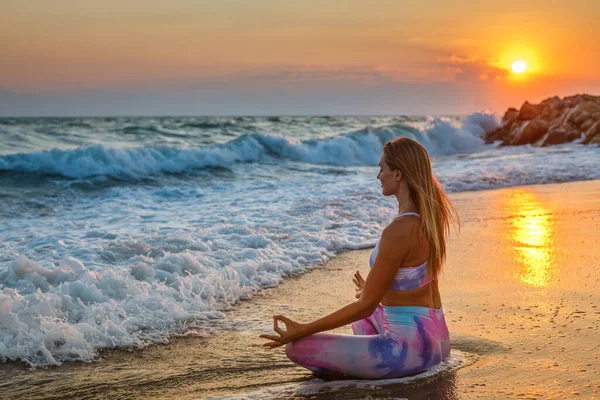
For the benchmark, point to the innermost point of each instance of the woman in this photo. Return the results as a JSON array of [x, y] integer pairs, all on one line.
[[397, 319]]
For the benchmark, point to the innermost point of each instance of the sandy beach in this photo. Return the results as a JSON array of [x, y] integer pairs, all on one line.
[[520, 291]]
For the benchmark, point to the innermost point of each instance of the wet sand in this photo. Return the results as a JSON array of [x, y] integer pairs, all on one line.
[[521, 296]]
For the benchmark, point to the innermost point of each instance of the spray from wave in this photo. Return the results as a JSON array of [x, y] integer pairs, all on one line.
[[358, 148]]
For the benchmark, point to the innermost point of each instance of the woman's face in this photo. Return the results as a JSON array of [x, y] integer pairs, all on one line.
[[387, 177]]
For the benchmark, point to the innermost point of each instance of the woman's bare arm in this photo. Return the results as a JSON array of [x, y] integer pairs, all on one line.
[[393, 248]]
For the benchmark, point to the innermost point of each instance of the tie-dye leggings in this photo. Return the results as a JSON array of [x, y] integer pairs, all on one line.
[[394, 341]]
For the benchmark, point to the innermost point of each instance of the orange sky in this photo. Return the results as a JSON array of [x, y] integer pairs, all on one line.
[[431, 57]]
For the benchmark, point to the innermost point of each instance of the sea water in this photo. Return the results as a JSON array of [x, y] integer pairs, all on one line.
[[118, 232]]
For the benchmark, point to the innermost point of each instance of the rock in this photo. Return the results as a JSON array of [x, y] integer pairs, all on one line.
[[555, 137], [589, 106], [553, 121], [578, 118], [557, 103], [530, 132], [592, 135], [547, 112], [529, 111], [554, 101], [499, 133], [587, 124], [510, 116]]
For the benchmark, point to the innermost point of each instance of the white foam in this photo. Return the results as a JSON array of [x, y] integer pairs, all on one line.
[[499, 167], [66, 312], [135, 163], [137, 277]]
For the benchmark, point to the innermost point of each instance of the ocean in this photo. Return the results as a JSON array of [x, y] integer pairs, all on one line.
[[121, 232]]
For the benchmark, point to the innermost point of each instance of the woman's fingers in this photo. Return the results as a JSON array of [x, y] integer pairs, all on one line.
[[288, 323], [284, 336], [286, 320], [276, 327], [275, 341], [271, 337], [272, 345], [358, 277]]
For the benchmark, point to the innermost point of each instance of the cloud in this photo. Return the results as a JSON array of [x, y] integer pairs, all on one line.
[[448, 69], [469, 69], [303, 78]]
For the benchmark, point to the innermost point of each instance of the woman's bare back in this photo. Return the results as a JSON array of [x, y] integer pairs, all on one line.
[[426, 296]]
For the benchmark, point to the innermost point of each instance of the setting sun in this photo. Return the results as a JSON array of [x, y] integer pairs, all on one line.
[[518, 67]]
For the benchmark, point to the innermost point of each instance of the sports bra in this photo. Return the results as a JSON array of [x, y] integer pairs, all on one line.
[[407, 278]]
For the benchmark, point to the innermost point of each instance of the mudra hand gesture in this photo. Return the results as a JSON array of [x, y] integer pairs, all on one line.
[[359, 282], [293, 331]]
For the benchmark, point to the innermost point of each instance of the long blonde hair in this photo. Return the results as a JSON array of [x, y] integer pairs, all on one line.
[[436, 210]]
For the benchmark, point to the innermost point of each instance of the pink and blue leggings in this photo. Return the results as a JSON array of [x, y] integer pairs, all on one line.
[[394, 341]]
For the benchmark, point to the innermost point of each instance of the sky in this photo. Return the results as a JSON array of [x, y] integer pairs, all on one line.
[[275, 57]]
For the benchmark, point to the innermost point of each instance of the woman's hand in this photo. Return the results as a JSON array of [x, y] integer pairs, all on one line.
[[359, 282], [293, 331]]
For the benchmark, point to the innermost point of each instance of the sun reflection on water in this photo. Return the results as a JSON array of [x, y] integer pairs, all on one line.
[[532, 234]]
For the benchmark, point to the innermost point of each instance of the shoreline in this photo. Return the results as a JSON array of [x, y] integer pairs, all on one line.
[[532, 296]]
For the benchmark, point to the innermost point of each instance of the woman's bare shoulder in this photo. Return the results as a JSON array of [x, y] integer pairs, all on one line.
[[403, 226]]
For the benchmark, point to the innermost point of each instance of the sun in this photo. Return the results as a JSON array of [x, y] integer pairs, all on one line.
[[519, 66]]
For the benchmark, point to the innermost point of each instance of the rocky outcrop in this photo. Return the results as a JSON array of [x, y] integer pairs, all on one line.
[[553, 121]]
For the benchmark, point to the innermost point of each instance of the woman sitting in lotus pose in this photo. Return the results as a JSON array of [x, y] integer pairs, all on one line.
[[397, 319]]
